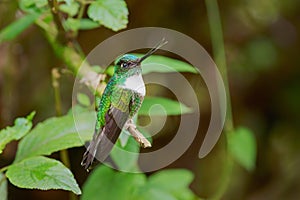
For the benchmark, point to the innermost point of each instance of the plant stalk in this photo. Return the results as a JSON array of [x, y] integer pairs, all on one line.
[[220, 59], [219, 54], [55, 83], [63, 153], [3, 169], [2, 179]]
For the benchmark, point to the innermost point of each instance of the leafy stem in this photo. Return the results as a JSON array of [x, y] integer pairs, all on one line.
[[2, 179], [225, 177], [61, 36], [85, 2], [215, 26], [3, 169], [80, 15], [45, 26], [64, 152], [220, 59], [81, 10], [55, 83]]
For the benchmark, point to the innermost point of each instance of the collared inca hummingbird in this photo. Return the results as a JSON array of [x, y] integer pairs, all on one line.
[[120, 101]]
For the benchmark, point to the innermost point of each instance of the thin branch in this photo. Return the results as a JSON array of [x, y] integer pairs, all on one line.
[[64, 156], [139, 137], [81, 11], [74, 61], [85, 2], [55, 85], [61, 36]]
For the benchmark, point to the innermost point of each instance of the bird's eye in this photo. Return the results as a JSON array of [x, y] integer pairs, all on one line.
[[124, 65]]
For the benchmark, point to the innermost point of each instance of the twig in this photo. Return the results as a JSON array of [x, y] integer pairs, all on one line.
[[73, 58], [93, 80], [61, 36], [81, 10], [55, 85], [64, 156], [85, 2], [130, 126]]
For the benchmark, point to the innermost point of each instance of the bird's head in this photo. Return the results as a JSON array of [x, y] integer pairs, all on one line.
[[128, 61]]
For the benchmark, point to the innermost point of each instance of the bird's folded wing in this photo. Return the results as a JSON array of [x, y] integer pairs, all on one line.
[[115, 120]]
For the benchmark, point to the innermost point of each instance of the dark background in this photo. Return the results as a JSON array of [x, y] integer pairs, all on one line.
[[262, 51]]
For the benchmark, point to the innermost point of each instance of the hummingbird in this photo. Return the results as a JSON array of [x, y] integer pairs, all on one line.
[[120, 102]]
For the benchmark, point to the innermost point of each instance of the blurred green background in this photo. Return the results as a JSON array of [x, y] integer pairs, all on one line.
[[262, 51]]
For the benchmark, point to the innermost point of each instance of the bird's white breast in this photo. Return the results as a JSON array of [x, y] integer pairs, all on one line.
[[135, 83]]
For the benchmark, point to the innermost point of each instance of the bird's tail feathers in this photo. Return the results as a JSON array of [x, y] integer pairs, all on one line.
[[90, 153], [104, 139]]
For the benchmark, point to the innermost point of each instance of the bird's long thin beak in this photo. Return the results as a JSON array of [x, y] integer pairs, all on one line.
[[151, 51]]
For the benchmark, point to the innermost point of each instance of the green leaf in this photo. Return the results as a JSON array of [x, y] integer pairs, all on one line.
[[112, 14], [124, 137], [34, 6], [83, 99], [14, 29], [171, 180], [76, 109], [97, 69], [71, 24], [70, 9], [167, 184], [163, 64], [55, 134], [87, 24], [68, 2], [109, 184], [126, 157], [170, 107], [160, 64], [242, 146], [3, 187], [154, 193], [110, 70], [21, 127], [42, 173]]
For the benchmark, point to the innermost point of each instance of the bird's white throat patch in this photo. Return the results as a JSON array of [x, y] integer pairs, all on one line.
[[135, 83]]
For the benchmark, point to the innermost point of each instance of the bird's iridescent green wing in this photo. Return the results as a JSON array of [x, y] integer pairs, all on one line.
[[104, 104], [135, 104], [115, 118], [121, 98], [112, 115]]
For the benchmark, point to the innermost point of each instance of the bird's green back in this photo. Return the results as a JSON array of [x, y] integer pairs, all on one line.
[[115, 96]]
